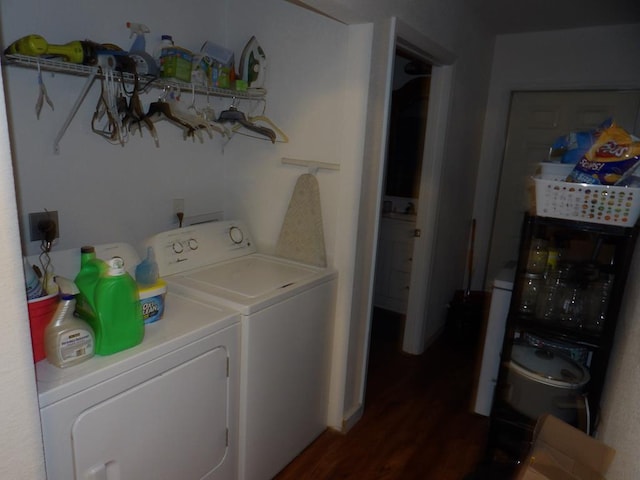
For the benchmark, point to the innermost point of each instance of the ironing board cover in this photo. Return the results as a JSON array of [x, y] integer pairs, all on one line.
[[302, 236]]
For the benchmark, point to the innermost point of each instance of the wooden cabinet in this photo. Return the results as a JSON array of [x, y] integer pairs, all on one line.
[[394, 262]]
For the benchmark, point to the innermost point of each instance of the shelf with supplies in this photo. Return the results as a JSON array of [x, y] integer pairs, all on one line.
[[58, 66], [107, 122], [562, 319]]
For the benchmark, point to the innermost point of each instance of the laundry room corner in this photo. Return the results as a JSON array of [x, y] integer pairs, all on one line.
[[104, 191]]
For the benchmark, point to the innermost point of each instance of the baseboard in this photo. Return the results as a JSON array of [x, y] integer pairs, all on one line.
[[352, 418]]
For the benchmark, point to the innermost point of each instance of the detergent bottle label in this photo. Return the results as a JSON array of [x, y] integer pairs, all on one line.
[[75, 343]]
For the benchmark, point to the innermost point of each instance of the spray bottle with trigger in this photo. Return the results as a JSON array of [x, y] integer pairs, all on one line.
[[145, 65], [67, 339]]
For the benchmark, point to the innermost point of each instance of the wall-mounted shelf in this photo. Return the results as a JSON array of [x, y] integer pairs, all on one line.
[[93, 72], [52, 65]]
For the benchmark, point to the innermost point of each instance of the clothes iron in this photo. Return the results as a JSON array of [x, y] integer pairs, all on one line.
[[253, 64]]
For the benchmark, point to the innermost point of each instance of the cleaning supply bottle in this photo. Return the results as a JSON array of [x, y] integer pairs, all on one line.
[[68, 340], [119, 322], [147, 270], [91, 268], [166, 41], [137, 31]]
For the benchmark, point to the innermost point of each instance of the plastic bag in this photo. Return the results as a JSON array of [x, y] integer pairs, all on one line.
[[612, 157], [571, 147]]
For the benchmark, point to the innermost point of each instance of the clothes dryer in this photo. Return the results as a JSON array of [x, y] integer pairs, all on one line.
[[165, 409]]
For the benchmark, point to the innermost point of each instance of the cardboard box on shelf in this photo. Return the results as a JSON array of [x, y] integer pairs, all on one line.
[[562, 452]]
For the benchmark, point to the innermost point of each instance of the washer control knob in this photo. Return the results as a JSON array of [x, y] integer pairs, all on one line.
[[177, 247], [193, 244], [236, 235]]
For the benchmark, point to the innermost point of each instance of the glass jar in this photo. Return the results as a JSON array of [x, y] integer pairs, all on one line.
[[571, 304], [538, 255], [531, 286], [547, 307], [597, 302]]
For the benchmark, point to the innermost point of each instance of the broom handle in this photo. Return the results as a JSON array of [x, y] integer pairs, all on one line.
[[470, 258]]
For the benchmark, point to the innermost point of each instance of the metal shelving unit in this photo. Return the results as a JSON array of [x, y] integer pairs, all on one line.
[[594, 248]]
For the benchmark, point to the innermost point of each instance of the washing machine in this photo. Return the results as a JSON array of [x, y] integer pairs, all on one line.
[[165, 409], [287, 311]]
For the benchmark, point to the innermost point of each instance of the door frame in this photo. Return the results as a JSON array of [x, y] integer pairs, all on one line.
[[416, 327], [388, 34]]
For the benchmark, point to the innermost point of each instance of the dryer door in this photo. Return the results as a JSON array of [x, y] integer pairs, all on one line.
[[171, 426]]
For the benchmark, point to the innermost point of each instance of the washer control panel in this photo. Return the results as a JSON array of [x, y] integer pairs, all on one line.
[[184, 249]]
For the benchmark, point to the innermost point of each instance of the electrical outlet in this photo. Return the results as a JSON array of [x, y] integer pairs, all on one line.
[[178, 205], [43, 224]]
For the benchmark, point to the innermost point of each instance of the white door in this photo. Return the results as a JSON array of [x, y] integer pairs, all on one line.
[[536, 119]]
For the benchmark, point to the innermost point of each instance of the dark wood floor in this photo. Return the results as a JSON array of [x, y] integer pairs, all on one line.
[[416, 422]]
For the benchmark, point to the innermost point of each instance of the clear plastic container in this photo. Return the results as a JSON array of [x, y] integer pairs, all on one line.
[[147, 270]]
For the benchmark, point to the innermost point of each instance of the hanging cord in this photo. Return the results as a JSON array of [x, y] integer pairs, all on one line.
[[49, 230], [45, 263]]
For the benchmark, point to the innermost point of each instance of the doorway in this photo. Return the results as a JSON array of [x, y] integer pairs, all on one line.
[[401, 188], [407, 126]]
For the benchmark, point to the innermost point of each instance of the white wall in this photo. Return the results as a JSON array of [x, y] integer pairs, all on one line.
[[306, 85], [590, 58], [443, 26], [620, 423], [20, 442]]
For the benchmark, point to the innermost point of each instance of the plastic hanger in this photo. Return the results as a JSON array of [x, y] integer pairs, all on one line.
[[233, 115], [135, 114], [166, 108], [281, 136]]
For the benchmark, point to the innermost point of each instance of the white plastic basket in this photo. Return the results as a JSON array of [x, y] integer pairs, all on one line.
[[555, 171], [582, 202]]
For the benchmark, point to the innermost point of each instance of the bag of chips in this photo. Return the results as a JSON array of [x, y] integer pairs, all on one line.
[[571, 147], [613, 156]]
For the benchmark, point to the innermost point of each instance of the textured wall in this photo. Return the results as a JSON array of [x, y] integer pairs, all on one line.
[[20, 441]]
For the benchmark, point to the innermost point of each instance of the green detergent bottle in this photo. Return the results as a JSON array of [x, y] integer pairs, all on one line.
[[119, 322], [91, 269]]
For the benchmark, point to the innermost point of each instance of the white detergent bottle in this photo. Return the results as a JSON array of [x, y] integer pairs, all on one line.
[[68, 340]]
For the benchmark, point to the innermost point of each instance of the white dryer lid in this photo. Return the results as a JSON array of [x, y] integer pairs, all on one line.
[[251, 276]]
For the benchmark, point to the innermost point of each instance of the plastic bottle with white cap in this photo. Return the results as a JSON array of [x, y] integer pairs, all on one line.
[[119, 322], [68, 340]]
